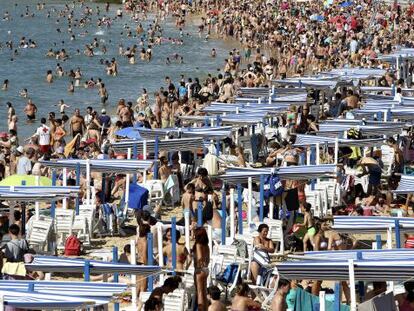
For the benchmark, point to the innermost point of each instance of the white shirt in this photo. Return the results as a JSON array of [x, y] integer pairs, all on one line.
[[44, 135]]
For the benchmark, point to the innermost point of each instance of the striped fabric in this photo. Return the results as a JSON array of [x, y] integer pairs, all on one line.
[[220, 132], [363, 73], [406, 185], [80, 289], [69, 265], [363, 254], [306, 140], [369, 270], [240, 175], [38, 301], [367, 130], [182, 144], [308, 82], [370, 224], [106, 166]]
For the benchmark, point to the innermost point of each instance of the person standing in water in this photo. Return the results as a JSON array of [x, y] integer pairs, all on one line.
[[30, 110]]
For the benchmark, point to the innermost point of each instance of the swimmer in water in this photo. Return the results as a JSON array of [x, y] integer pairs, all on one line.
[[213, 53]]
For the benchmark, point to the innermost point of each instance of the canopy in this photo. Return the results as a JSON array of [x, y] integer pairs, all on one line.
[[37, 193], [69, 265], [80, 289], [366, 270], [104, 166], [181, 144], [356, 254], [371, 224], [38, 301], [218, 132], [240, 175], [406, 185], [306, 140]]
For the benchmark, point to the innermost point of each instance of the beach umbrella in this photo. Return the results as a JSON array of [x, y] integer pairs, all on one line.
[[16, 180], [346, 4], [129, 132]]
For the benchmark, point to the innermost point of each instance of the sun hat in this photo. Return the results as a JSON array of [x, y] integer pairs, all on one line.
[[20, 149]]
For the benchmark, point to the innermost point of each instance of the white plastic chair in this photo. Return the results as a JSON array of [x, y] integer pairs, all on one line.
[[38, 235], [156, 191], [63, 225]]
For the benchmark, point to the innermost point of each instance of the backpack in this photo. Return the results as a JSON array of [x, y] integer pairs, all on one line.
[[273, 186], [72, 246], [292, 242], [229, 274]]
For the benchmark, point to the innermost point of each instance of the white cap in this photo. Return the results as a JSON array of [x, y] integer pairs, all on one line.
[[103, 111], [20, 149]]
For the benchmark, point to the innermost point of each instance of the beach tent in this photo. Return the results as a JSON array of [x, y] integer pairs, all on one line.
[[181, 144]]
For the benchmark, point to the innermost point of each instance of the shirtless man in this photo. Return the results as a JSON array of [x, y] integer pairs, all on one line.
[[213, 294], [103, 94], [10, 111], [77, 123], [124, 113], [13, 123], [30, 110], [279, 300], [242, 301]]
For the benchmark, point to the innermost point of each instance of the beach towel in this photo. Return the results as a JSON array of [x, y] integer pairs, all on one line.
[[379, 303], [14, 268], [307, 301], [70, 145], [138, 196]]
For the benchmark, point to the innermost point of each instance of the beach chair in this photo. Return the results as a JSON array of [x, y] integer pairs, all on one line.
[[156, 192], [88, 212], [81, 229], [314, 198], [276, 234], [175, 301], [223, 257], [63, 225], [38, 235], [387, 157], [143, 297]]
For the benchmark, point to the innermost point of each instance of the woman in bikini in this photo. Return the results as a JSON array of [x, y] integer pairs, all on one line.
[[201, 256], [181, 251]]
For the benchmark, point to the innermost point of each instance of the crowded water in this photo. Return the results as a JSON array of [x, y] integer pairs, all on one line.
[[26, 68]]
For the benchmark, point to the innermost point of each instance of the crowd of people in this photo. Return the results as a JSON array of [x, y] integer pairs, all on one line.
[[273, 40]]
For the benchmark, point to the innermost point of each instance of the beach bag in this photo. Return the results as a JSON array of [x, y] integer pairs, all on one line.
[[261, 257], [229, 274], [72, 246], [273, 186]]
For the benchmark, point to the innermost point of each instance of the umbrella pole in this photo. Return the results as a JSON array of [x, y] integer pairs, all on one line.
[[65, 176], [352, 284], [37, 204]]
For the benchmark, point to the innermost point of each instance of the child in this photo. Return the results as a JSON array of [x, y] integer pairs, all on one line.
[[213, 295]]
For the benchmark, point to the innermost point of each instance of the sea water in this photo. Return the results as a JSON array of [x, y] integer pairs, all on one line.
[[28, 68]]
